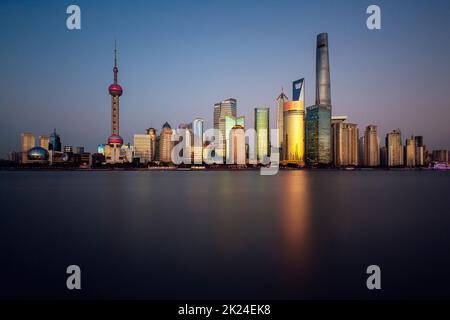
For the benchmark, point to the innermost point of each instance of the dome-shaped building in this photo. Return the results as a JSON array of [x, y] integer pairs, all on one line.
[[37, 155]]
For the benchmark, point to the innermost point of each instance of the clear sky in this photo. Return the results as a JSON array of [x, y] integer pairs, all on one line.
[[177, 58]]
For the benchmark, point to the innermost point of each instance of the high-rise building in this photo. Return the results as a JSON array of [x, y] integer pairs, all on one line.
[[394, 148], [345, 142], [410, 152], [323, 83], [383, 156], [55, 142], [262, 133], [68, 149], [371, 147], [318, 117], [318, 133], [28, 142], [440, 156], [115, 141], [197, 130], [281, 99], [237, 145], [142, 147], [44, 142], [230, 122], [420, 151], [221, 110], [166, 144], [293, 151], [153, 137]]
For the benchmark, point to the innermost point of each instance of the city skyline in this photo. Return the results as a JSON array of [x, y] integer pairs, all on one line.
[[412, 117]]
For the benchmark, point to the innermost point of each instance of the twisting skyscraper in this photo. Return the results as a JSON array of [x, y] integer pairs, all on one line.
[[115, 141], [318, 117]]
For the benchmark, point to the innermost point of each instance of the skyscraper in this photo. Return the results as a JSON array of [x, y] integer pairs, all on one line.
[[420, 151], [281, 99], [55, 142], [230, 122], [153, 137], [262, 133], [142, 147], [221, 110], [237, 145], [115, 141], [394, 148], [318, 117], [197, 129], [410, 152], [44, 142], [293, 150], [166, 144], [371, 147], [28, 141], [345, 143]]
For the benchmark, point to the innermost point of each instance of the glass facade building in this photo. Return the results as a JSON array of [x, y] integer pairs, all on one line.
[[262, 133], [197, 130], [318, 133]]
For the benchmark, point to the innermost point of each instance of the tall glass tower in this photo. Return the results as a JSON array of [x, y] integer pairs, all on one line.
[[318, 117]]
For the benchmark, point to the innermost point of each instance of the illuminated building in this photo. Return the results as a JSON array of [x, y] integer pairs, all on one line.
[[371, 146], [323, 82], [410, 152], [440, 156], [197, 130], [28, 141], [79, 150], [143, 147], [101, 149], [165, 144], [68, 149], [230, 122], [394, 148], [37, 155], [153, 137], [345, 143], [281, 99], [237, 145], [221, 110], [293, 149], [262, 133], [44, 142], [115, 141]]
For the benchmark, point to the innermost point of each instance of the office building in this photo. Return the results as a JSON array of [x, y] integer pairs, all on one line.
[[44, 142], [197, 131], [226, 108], [230, 122], [394, 148], [281, 99], [410, 152], [142, 147], [345, 142], [371, 147], [166, 144], [262, 134]]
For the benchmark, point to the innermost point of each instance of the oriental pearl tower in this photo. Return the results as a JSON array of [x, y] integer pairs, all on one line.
[[115, 141]]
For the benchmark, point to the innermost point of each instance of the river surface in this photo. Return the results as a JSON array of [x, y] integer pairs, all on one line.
[[225, 234]]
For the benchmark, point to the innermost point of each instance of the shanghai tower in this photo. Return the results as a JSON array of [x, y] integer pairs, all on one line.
[[323, 90], [318, 117]]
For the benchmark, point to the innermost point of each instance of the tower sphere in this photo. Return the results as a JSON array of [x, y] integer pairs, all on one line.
[[115, 90]]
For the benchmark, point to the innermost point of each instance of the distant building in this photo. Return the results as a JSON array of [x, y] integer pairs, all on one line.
[[153, 137], [55, 142], [198, 141], [371, 147], [237, 145], [68, 149], [44, 142], [394, 148], [420, 151], [410, 152], [166, 144], [262, 133], [79, 150], [345, 143], [383, 157], [142, 147], [230, 123], [28, 141], [221, 111], [101, 149], [281, 99], [440, 156], [37, 155]]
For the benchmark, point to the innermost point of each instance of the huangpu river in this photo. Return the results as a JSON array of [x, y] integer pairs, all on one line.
[[225, 234]]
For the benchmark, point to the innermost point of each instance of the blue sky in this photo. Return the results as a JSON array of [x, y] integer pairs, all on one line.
[[177, 58]]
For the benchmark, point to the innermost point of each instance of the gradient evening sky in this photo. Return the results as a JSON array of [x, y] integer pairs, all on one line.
[[177, 58]]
